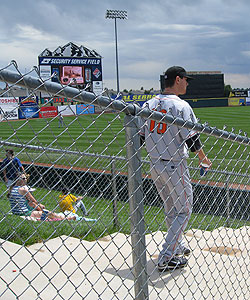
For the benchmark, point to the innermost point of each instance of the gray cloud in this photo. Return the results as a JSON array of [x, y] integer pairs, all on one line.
[[198, 34]]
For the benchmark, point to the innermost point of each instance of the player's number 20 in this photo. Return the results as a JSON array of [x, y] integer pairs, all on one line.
[[161, 127]]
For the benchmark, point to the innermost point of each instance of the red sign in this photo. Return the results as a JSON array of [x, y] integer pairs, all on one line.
[[48, 112], [97, 73]]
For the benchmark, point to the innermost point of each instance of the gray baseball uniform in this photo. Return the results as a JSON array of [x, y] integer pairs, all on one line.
[[168, 152]]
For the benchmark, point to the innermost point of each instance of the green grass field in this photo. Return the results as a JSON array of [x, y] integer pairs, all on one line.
[[106, 136], [226, 155], [14, 228]]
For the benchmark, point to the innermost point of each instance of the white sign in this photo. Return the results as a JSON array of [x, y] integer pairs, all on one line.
[[97, 87], [45, 72], [68, 110], [9, 112], [10, 101]]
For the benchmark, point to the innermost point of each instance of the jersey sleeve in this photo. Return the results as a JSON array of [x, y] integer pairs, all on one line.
[[17, 163], [188, 115]]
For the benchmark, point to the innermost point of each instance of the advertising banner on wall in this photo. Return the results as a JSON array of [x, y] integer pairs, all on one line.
[[138, 98], [68, 110], [45, 100], [236, 101], [11, 101], [82, 109], [28, 107], [48, 112], [247, 101], [8, 112]]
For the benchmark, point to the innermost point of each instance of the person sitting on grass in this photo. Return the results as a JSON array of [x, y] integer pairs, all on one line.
[[70, 203], [23, 203]]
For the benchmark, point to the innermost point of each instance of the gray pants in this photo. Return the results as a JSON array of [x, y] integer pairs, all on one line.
[[79, 205], [172, 181]]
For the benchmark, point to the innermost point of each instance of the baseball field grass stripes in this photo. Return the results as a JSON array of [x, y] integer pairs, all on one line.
[[90, 127], [105, 134]]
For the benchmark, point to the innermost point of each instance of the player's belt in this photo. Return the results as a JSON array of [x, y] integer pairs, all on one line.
[[165, 159]]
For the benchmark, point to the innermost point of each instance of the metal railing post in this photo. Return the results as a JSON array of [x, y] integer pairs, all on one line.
[[228, 202], [115, 195], [136, 207]]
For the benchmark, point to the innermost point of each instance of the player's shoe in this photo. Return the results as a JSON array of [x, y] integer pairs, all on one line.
[[174, 263], [185, 251]]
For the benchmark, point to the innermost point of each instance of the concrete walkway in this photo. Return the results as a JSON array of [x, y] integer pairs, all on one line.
[[68, 268]]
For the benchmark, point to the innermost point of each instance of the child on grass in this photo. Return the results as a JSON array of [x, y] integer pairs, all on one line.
[[69, 203]]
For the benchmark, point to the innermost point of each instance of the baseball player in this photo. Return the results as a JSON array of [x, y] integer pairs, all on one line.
[[60, 119], [167, 146]]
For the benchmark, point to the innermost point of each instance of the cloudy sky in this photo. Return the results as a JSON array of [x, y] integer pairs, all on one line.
[[200, 35]]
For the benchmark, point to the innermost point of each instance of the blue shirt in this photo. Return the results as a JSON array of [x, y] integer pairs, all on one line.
[[12, 167]]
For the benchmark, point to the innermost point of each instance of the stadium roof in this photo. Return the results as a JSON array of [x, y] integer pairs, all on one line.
[[70, 50]]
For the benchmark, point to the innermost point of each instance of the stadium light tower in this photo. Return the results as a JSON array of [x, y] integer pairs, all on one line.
[[116, 14]]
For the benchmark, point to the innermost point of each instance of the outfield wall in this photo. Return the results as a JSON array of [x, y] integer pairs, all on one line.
[[14, 108], [195, 103], [208, 102], [208, 199], [237, 101]]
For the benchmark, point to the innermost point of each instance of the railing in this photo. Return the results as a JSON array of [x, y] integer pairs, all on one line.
[[98, 263]]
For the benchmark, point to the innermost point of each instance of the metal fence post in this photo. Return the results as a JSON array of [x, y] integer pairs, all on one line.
[[228, 202], [115, 196], [136, 207]]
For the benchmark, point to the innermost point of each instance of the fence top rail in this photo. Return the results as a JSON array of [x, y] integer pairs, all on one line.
[[132, 109]]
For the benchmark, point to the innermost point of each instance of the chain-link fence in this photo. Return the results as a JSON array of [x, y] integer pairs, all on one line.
[[109, 249]]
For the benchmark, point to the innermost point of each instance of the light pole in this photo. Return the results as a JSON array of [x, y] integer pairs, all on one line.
[[116, 14]]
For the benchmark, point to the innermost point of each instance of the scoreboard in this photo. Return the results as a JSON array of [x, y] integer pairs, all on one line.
[[74, 66]]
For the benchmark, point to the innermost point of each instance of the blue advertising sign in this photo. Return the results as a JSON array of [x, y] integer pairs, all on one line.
[[85, 109], [28, 112], [28, 107]]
